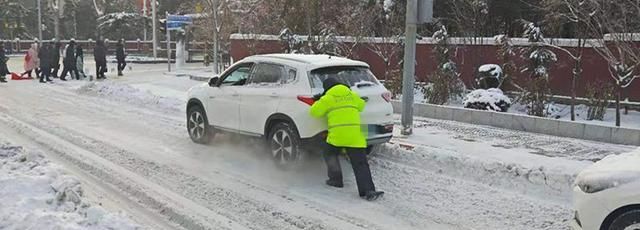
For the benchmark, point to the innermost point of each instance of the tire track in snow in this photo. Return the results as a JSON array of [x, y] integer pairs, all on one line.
[[238, 208]]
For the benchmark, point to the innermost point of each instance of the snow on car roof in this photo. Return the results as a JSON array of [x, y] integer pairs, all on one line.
[[314, 60]]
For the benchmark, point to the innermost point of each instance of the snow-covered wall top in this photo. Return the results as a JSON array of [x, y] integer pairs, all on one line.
[[563, 42]]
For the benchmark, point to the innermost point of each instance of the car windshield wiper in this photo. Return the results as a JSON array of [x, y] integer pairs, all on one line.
[[364, 84]]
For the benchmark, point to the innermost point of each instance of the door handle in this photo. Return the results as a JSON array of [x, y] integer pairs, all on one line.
[[212, 97], [275, 95], [235, 95]]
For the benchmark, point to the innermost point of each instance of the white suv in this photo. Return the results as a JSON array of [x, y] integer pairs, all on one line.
[[269, 96]]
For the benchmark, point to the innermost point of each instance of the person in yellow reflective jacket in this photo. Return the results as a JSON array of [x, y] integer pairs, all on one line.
[[342, 108]]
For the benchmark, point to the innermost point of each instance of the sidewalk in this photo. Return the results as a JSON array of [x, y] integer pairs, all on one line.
[[197, 74]]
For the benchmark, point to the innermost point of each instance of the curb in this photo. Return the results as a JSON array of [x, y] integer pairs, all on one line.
[[553, 127]]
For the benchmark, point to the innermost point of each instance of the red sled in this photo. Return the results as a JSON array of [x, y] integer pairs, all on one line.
[[17, 77]]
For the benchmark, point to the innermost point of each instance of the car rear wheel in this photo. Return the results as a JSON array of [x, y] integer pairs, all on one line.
[[629, 220], [284, 146], [198, 126]]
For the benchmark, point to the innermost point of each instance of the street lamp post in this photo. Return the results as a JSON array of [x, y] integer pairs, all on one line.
[[39, 22], [154, 29]]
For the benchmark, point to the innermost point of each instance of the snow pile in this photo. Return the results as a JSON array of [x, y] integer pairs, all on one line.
[[490, 99], [126, 93], [493, 69], [611, 171], [35, 195], [551, 182]]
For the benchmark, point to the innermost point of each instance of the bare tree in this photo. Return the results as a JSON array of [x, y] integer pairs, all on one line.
[[612, 24]]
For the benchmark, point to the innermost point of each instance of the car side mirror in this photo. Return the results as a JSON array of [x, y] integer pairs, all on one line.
[[213, 82]]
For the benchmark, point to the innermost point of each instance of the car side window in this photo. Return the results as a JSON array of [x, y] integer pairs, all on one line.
[[266, 74], [238, 76], [291, 77]]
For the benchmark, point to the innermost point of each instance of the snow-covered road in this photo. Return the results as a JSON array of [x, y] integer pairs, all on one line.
[[133, 149]]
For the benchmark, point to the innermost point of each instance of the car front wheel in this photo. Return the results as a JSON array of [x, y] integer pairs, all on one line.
[[284, 146], [629, 220], [198, 125]]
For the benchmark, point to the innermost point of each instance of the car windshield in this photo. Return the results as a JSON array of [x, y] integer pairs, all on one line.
[[350, 75]]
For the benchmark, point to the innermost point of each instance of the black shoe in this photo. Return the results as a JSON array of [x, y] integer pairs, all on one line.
[[373, 195], [334, 184], [63, 79], [49, 80], [42, 81]]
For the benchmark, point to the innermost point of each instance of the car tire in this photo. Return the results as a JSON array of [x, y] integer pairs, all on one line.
[[283, 144], [629, 220], [198, 125]]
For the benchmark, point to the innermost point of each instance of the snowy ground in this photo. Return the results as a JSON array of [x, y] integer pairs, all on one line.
[[37, 194], [125, 137]]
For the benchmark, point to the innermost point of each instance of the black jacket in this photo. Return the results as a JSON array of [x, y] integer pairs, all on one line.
[[100, 54], [79, 52], [54, 53], [44, 55], [120, 52], [4, 70], [70, 56]]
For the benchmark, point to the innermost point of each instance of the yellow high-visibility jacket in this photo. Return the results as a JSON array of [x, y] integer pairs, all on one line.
[[342, 108]]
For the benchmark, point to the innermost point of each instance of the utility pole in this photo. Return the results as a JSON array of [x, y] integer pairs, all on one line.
[[418, 11], [409, 69], [168, 43], [39, 22], [144, 18], [215, 37], [154, 29]]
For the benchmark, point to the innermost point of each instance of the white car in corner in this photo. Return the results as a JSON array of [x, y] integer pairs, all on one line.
[[269, 96], [607, 194]]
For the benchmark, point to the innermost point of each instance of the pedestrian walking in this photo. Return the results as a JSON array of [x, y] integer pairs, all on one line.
[[121, 56], [69, 62], [31, 61], [342, 108], [80, 61], [55, 53], [4, 70], [45, 62], [100, 56]]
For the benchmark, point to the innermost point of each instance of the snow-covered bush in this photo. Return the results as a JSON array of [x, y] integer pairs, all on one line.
[[328, 43], [445, 82], [599, 94], [491, 99], [537, 90], [489, 76], [293, 43]]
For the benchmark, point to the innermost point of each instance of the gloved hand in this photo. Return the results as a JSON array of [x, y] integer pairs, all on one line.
[[317, 97]]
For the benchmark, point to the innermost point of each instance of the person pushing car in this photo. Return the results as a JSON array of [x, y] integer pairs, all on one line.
[[342, 107]]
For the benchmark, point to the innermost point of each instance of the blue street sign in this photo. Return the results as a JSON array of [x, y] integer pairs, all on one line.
[[171, 25], [180, 18]]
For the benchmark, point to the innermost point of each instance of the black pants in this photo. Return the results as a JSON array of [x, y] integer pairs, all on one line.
[[358, 158], [121, 65], [70, 69], [101, 68], [44, 76], [54, 70]]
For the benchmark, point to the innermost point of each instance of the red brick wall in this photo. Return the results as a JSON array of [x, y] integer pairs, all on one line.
[[469, 58]]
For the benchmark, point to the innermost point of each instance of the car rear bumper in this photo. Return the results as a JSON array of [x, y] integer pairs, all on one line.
[[379, 139], [377, 134]]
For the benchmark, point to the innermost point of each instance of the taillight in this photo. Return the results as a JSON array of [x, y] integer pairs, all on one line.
[[307, 100], [387, 96]]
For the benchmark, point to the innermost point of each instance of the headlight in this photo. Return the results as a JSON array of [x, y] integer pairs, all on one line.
[[600, 181]]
